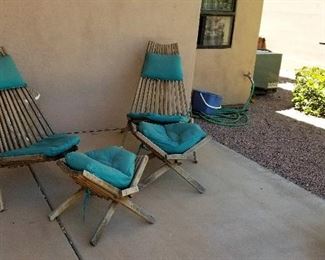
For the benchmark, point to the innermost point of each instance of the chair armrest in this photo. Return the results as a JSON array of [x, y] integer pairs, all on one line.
[[129, 191], [141, 163]]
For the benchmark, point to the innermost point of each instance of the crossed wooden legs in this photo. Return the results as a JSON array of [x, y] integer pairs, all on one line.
[[179, 170], [66, 204], [110, 212], [182, 173], [154, 176], [2, 206]]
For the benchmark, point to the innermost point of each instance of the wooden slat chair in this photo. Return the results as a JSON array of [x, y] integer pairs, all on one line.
[[25, 135], [90, 182], [158, 98]]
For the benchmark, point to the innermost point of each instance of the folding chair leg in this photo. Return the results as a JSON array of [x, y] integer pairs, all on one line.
[[2, 206], [137, 210], [103, 223], [154, 176], [66, 204], [181, 172]]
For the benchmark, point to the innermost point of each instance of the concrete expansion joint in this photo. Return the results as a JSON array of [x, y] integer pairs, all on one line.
[[62, 227]]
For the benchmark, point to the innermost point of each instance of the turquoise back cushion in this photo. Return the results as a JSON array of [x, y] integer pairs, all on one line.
[[9, 74], [163, 67]]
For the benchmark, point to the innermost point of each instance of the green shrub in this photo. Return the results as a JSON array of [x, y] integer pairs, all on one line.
[[309, 92]]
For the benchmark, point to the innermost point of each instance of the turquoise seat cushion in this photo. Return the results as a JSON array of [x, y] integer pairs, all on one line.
[[50, 146], [163, 119], [9, 74], [114, 165], [163, 67], [174, 138]]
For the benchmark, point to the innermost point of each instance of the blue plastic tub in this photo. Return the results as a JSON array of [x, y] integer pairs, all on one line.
[[205, 102]]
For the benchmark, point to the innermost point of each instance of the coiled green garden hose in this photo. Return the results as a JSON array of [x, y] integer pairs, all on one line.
[[230, 117]]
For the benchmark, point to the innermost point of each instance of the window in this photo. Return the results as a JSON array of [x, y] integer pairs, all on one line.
[[216, 24]]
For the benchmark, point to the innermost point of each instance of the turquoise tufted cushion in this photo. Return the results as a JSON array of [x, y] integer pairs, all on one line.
[[163, 119], [9, 74], [163, 67], [174, 138], [50, 146], [114, 165]]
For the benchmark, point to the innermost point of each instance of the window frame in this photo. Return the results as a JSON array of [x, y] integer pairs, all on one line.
[[202, 23]]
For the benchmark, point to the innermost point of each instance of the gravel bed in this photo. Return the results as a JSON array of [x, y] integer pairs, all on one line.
[[290, 148]]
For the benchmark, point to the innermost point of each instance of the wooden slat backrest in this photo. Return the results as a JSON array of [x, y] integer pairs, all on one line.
[[164, 97], [21, 121]]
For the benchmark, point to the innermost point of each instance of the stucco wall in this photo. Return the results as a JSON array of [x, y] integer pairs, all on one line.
[[220, 70], [295, 29], [85, 57]]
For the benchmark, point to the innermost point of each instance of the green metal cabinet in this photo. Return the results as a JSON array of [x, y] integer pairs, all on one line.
[[267, 68]]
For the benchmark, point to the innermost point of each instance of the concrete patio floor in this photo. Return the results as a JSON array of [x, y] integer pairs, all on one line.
[[246, 213]]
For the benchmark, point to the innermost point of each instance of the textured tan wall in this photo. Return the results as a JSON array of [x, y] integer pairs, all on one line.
[[85, 56], [295, 29], [220, 70]]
